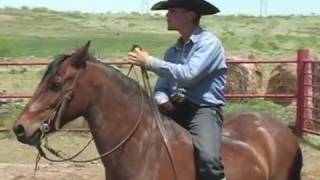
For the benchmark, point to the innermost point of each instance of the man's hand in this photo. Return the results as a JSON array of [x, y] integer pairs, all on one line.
[[166, 108], [138, 56]]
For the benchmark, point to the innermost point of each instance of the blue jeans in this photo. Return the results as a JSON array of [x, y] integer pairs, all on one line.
[[205, 126]]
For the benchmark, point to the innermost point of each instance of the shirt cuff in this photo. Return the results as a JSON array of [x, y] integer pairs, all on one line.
[[160, 97], [154, 64]]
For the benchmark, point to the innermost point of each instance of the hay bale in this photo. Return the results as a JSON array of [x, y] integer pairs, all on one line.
[[283, 79], [244, 78]]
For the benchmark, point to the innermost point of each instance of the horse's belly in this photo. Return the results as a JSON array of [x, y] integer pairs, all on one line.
[[242, 163]]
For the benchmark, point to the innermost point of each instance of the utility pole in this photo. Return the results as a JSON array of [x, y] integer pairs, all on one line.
[[141, 10], [147, 6], [144, 6], [263, 8], [266, 8]]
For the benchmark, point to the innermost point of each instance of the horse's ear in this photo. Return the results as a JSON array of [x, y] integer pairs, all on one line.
[[79, 57]]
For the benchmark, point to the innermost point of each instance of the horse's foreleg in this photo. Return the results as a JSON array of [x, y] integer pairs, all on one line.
[[105, 175]]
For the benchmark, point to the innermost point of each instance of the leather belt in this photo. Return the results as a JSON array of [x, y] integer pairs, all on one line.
[[189, 104]]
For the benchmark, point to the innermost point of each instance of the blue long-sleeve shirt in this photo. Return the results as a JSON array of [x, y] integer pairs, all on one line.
[[198, 66]]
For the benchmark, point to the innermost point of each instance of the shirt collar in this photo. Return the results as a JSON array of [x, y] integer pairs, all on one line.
[[195, 37]]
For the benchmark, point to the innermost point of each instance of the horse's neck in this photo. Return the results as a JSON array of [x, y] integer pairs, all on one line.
[[112, 114]]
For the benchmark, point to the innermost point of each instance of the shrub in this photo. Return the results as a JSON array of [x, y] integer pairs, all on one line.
[[40, 9], [24, 7], [6, 47]]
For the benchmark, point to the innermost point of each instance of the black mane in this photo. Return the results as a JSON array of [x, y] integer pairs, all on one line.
[[54, 66]]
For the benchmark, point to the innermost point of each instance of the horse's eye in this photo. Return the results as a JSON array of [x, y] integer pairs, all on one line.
[[56, 86]]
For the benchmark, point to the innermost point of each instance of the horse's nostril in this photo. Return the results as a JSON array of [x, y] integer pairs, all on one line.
[[18, 130]]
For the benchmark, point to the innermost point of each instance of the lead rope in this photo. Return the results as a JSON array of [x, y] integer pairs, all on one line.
[[159, 120], [156, 113]]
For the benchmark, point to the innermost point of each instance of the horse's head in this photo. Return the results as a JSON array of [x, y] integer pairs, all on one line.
[[57, 98]]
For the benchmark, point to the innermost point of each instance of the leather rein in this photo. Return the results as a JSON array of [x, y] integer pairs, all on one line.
[[55, 116]]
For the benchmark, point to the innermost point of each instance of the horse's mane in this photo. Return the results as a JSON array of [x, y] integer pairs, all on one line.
[[129, 85], [54, 66]]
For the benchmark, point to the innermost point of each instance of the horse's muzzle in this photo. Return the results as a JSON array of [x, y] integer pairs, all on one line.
[[23, 137]]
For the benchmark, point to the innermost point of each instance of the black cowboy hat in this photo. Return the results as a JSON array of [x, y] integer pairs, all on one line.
[[200, 7]]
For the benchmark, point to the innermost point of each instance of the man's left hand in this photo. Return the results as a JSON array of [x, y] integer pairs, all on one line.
[[138, 57]]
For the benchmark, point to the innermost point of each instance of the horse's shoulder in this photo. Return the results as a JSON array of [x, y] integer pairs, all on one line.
[[174, 132]]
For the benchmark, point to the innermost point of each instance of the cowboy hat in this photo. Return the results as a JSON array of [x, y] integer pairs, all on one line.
[[200, 7]]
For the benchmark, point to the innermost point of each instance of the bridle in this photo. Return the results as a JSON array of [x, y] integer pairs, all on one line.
[[55, 116], [56, 113]]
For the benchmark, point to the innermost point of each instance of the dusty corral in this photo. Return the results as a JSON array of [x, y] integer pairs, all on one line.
[[17, 160], [11, 171]]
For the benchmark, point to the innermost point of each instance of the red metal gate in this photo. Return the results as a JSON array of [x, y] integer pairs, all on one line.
[[307, 94], [308, 91]]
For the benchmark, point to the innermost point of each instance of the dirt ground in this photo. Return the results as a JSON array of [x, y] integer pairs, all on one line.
[[17, 161], [64, 171]]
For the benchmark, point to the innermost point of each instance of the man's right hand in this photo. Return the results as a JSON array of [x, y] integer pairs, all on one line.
[[166, 108]]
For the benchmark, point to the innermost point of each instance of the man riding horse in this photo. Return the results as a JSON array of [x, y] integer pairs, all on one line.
[[192, 78]]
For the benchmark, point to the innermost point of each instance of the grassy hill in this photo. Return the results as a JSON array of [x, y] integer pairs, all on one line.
[[41, 32]]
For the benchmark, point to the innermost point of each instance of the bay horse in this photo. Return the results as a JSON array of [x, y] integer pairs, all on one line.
[[255, 147]]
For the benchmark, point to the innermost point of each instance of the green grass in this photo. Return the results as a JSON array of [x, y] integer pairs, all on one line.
[[43, 33], [22, 80], [311, 142], [285, 114], [9, 113], [109, 46]]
